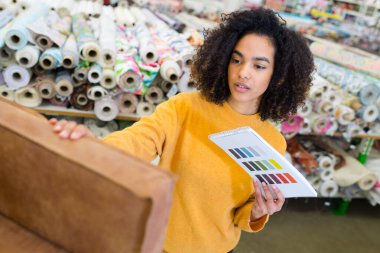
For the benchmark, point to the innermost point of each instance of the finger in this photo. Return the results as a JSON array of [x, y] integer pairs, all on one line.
[[59, 126], [81, 131], [268, 195], [280, 197], [67, 130], [53, 121], [258, 196]]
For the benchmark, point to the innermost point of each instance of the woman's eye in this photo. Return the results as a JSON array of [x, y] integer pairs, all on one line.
[[234, 60], [260, 67]]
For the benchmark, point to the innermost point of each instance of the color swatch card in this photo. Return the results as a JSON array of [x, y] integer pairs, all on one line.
[[262, 161]]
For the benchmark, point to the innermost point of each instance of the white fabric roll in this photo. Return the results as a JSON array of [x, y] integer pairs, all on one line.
[[369, 113], [326, 162], [28, 56], [108, 79], [145, 109], [327, 174], [185, 84], [305, 110], [106, 109], [96, 93], [170, 71], [328, 189], [95, 73], [7, 93], [70, 53], [16, 76], [344, 114], [28, 96]]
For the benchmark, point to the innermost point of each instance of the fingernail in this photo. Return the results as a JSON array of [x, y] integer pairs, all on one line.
[[64, 134], [57, 127], [74, 135], [263, 183], [274, 187]]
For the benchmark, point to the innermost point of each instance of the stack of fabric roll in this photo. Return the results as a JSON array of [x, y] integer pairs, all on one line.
[[340, 101], [94, 57], [329, 169]]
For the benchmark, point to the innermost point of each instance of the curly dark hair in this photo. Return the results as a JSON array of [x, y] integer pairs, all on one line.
[[291, 79]]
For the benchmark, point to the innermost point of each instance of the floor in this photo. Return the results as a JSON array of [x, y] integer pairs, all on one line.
[[311, 226]]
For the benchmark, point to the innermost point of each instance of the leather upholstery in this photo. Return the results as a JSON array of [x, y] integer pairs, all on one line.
[[83, 196]]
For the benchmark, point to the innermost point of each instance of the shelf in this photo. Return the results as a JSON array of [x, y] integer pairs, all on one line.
[[58, 110]]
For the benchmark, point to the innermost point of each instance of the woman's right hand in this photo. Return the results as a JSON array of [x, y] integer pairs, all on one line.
[[70, 129]]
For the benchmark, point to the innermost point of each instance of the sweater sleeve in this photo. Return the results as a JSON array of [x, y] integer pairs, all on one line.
[[146, 138]]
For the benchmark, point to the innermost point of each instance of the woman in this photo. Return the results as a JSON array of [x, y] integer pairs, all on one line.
[[251, 70]]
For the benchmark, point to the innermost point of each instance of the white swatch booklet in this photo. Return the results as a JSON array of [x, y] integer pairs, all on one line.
[[262, 161]]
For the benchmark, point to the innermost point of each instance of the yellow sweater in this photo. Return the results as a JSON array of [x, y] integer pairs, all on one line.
[[210, 205]]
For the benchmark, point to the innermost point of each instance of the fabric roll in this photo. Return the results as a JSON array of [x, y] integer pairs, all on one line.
[[306, 127], [127, 103], [100, 128], [7, 93], [63, 83], [301, 156], [81, 72], [107, 37], [323, 106], [96, 93], [59, 101], [144, 109], [369, 113], [45, 86], [147, 50], [79, 99], [292, 126], [170, 71], [148, 72], [108, 80], [70, 53], [124, 17], [315, 181], [165, 86], [51, 58], [16, 76], [6, 57], [28, 56], [320, 124], [344, 114], [306, 109], [6, 16], [325, 162], [89, 49], [185, 84], [367, 182], [327, 174], [63, 25], [43, 42], [17, 36], [95, 73], [106, 109], [154, 95], [334, 96], [328, 189], [28, 96], [369, 94], [128, 75]]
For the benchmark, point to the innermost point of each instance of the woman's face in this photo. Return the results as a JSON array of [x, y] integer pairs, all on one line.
[[249, 72]]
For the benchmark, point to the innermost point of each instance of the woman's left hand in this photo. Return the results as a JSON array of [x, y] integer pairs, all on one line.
[[268, 204]]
